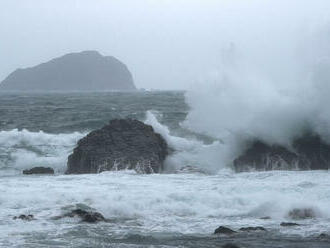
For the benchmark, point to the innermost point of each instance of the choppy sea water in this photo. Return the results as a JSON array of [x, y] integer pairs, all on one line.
[[178, 208]]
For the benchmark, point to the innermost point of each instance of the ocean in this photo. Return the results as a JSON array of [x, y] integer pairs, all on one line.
[[181, 207]]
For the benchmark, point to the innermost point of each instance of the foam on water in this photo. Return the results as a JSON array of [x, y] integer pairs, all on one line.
[[21, 149], [187, 151], [166, 203]]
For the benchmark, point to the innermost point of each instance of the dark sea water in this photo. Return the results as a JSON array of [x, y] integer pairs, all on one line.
[[178, 208]]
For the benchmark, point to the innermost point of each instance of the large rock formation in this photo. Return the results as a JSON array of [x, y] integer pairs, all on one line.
[[122, 144], [308, 152], [84, 71]]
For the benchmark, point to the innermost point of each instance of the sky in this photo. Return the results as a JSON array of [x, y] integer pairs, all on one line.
[[166, 44]]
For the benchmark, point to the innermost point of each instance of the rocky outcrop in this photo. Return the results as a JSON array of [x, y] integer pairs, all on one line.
[[308, 152], [85, 216], [122, 144], [224, 230], [288, 224], [39, 170], [84, 71], [25, 217], [252, 228]]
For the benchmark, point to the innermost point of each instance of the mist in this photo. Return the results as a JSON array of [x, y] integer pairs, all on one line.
[[166, 44], [272, 83]]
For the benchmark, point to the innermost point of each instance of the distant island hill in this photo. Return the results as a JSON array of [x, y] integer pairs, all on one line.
[[83, 71]]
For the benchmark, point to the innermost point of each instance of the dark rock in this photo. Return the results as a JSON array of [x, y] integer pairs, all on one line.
[[324, 236], [229, 245], [28, 217], [224, 230], [122, 144], [86, 216], [308, 152], [39, 170], [265, 218], [84, 71], [289, 224], [252, 228], [302, 213]]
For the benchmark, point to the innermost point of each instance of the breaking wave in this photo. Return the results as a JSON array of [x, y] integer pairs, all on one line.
[[21, 149]]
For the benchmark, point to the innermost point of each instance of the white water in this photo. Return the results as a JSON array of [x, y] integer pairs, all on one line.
[[24, 149], [178, 203], [186, 203], [272, 79]]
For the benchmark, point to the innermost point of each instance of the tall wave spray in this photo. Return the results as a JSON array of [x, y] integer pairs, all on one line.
[[272, 84]]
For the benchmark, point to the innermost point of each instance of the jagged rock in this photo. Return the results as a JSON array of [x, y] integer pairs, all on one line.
[[224, 230], [84, 71], [28, 217], [252, 228], [289, 224], [122, 144], [302, 213], [308, 152], [39, 170], [85, 216]]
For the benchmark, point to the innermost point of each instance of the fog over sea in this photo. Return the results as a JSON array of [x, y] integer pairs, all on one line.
[[177, 208]]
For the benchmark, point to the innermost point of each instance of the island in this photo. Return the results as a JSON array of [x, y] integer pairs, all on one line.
[[83, 71]]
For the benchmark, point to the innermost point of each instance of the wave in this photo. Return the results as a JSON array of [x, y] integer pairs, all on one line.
[[22, 149], [186, 151], [266, 90]]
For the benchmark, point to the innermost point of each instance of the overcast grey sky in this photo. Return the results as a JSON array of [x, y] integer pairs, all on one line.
[[167, 44]]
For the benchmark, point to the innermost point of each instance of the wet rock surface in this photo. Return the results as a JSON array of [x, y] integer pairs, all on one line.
[[122, 144], [85, 216], [288, 224], [224, 230], [28, 217], [39, 170], [229, 245], [252, 228], [308, 152]]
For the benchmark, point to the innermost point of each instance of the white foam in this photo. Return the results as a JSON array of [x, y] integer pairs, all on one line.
[[24, 149], [268, 89], [178, 203], [187, 151]]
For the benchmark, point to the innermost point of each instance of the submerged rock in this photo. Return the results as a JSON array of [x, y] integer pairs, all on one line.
[[85, 216], [302, 213], [289, 224], [224, 230], [324, 236], [39, 170], [28, 217], [252, 228], [122, 144], [229, 245], [308, 152]]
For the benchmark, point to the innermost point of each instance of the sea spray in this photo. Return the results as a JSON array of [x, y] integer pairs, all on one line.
[[266, 90], [187, 151]]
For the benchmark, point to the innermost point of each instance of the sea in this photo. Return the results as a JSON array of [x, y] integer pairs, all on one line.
[[180, 207]]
